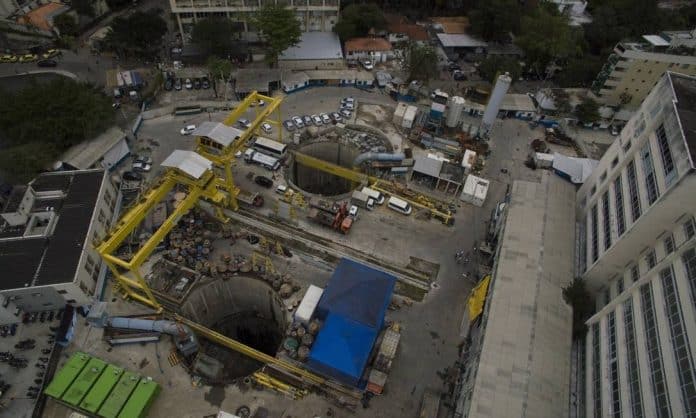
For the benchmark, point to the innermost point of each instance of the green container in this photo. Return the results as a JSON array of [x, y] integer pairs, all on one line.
[[66, 375], [84, 381], [119, 395], [141, 399], [101, 389]]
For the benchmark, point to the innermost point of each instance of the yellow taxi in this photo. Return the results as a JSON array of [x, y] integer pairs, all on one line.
[[8, 58], [28, 58], [51, 53]]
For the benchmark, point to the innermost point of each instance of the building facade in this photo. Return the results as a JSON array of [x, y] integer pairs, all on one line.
[[48, 232], [632, 71], [314, 15], [637, 254]]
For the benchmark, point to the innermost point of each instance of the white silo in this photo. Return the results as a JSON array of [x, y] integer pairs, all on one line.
[[499, 91], [454, 111]]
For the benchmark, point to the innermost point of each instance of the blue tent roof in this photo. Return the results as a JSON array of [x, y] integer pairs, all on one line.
[[342, 349], [358, 292]]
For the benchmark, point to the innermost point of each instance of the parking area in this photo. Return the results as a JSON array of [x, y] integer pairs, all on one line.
[[24, 358]]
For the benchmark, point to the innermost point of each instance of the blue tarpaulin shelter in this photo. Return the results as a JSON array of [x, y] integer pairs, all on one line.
[[358, 292], [342, 349]]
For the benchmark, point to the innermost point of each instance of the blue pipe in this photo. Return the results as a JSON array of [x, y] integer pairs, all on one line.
[[185, 339], [379, 156]]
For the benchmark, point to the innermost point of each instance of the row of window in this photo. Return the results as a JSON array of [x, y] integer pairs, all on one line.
[[652, 345], [632, 361], [613, 368]]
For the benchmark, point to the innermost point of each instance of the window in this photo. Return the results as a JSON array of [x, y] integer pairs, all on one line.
[[619, 286], [649, 174], [594, 233], [583, 202], [89, 264], [593, 191], [669, 244], [652, 345], [639, 125], [680, 342], [665, 154], [614, 162], [613, 367], [689, 228], [689, 259], [607, 224], [62, 292], [627, 146], [632, 366], [596, 372], [633, 190], [650, 259], [71, 301], [635, 273], [603, 177], [102, 217], [36, 294], [618, 198]]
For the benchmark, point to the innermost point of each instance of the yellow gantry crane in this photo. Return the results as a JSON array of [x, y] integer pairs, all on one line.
[[218, 189]]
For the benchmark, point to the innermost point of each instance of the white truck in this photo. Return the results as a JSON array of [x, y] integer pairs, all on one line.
[[362, 200], [377, 196], [256, 157]]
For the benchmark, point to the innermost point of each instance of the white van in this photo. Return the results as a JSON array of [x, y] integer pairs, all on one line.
[[399, 205], [281, 189]]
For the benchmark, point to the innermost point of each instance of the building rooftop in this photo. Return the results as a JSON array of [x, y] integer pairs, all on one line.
[[524, 366], [218, 132], [189, 162], [314, 46], [452, 24], [399, 24], [87, 153], [685, 92], [34, 254], [42, 17], [367, 44], [255, 79], [460, 41]]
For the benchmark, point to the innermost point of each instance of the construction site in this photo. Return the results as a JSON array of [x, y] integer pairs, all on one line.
[[332, 294]]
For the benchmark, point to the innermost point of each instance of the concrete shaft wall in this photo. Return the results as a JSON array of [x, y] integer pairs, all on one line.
[[318, 182]]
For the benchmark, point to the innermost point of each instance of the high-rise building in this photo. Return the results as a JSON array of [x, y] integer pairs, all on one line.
[[636, 252], [314, 15]]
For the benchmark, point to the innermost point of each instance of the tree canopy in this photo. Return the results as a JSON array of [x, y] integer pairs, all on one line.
[[43, 120], [495, 64], [83, 7], [279, 29], [140, 34], [219, 68], [357, 20], [215, 35], [421, 62], [545, 37], [587, 111], [577, 296], [66, 24], [494, 20]]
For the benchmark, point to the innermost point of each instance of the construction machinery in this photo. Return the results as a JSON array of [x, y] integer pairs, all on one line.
[[332, 215], [252, 199], [437, 209]]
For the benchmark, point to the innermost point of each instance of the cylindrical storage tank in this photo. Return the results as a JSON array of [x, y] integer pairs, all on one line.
[[499, 91], [454, 112]]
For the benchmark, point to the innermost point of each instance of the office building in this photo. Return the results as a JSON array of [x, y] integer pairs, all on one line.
[[314, 15], [633, 69], [636, 253], [48, 231]]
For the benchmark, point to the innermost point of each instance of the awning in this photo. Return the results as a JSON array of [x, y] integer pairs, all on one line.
[[477, 298]]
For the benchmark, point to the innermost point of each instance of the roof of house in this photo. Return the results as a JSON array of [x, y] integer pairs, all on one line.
[[452, 24], [218, 132], [400, 24], [523, 363], [367, 44], [460, 41], [42, 17], [428, 166], [191, 163], [54, 258], [85, 154], [314, 46]]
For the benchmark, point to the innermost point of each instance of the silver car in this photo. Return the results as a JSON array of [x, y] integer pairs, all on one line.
[[325, 118], [298, 121], [317, 120]]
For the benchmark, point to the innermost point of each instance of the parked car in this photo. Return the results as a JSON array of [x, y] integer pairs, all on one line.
[[51, 53], [138, 166], [169, 84], [325, 118], [336, 116], [28, 58], [176, 50], [189, 84], [346, 113], [459, 75], [307, 120], [298, 121], [453, 66], [263, 181], [197, 83], [205, 83], [131, 176], [317, 120], [353, 212], [266, 127], [347, 100], [349, 106], [47, 63], [188, 129], [8, 58], [244, 123], [144, 159], [368, 65], [289, 125], [177, 84]]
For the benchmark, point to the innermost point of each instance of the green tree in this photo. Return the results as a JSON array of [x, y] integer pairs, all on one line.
[[358, 19], [577, 296], [493, 20], [421, 62], [545, 37], [587, 111], [118, 4], [140, 34], [580, 71], [219, 68], [44, 119], [496, 64], [83, 7], [215, 35], [66, 24], [279, 30]]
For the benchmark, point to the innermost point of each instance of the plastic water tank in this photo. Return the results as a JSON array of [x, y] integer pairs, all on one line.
[[454, 111], [499, 91]]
